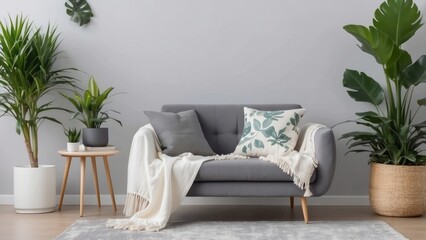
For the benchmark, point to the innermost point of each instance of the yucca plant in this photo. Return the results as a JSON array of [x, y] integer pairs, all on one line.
[[27, 73], [73, 135], [393, 136], [90, 104]]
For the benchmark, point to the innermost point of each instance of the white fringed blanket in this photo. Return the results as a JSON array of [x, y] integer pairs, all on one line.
[[157, 183]]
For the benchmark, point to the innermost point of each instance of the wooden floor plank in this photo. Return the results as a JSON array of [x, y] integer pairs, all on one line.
[[47, 226]]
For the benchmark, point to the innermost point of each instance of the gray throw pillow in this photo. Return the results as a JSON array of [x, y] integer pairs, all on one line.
[[179, 133]]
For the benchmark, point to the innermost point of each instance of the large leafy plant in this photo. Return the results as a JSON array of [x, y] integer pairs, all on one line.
[[393, 138], [27, 73], [90, 104]]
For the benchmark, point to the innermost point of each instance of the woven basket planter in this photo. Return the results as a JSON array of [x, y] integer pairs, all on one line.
[[397, 191], [424, 190]]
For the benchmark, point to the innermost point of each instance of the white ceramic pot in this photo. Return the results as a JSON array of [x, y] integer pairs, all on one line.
[[34, 189], [73, 147]]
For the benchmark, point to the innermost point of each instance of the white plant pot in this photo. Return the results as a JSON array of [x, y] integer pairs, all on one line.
[[34, 189], [73, 147]]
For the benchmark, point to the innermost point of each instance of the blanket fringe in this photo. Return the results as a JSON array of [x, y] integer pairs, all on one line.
[[134, 204], [134, 224], [230, 156], [284, 165]]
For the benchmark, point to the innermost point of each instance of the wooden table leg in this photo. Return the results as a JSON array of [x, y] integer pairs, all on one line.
[[108, 176], [64, 182], [82, 176], [95, 179]]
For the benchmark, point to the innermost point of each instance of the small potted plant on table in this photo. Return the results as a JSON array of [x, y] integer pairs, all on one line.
[[73, 136], [89, 106]]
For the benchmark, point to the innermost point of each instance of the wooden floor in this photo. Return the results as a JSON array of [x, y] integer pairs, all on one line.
[[47, 226]]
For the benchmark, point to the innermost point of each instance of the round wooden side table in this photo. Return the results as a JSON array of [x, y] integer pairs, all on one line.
[[83, 155]]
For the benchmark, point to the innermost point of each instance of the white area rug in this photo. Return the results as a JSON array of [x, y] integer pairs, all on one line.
[[365, 230]]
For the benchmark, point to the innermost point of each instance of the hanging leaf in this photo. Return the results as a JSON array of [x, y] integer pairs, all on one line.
[[79, 11], [373, 42], [415, 73], [362, 88]]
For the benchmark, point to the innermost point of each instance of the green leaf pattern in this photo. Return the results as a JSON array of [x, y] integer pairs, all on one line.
[[266, 129]]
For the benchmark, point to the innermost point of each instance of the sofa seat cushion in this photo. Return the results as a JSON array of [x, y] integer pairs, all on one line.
[[246, 170]]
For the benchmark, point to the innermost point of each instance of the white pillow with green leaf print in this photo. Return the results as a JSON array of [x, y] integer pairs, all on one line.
[[269, 132]]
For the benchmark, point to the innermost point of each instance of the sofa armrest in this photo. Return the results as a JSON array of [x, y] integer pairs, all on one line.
[[325, 151]]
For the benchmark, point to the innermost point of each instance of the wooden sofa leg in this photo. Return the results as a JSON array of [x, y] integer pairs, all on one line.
[[304, 202], [292, 202]]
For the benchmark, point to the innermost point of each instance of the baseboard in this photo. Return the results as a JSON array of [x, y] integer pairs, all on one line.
[[329, 200]]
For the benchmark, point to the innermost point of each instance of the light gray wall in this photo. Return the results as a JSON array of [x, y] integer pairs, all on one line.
[[216, 51]]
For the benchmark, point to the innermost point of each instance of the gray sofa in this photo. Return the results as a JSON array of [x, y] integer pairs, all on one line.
[[222, 126]]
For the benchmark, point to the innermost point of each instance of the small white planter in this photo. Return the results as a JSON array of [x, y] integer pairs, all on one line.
[[73, 147], [34, 189]]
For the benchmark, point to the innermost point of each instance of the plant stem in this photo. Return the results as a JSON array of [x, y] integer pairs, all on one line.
[[391, 106], [398, 99], [34, 143], [27, 138]]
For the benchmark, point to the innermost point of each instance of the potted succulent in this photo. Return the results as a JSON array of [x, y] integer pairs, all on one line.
[[27, 73], [73, 136], [90, 112], [394, 140]]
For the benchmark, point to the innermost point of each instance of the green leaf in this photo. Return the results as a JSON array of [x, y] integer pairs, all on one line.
[[373, 117], [269, 132], [256, 124], [400, 60], [79, 11], [362, 87], [18, 126], [51, 119], [282, 131], [258, 144], [399, 19], [283, 138], [410, 157], [357, 134], [244, 149], [267, 122], [372, 42], [93, 89], [360, 143], [415, 73]]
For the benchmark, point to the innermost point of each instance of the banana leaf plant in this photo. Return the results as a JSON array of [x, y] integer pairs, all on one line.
[[392, 136], [27, 73], [90, 104]]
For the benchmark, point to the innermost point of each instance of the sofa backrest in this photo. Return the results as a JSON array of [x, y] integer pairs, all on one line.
[[223, 124]]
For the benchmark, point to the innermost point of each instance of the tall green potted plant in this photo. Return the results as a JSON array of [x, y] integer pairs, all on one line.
[[393, 140], [90, 111], [27, 73]]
